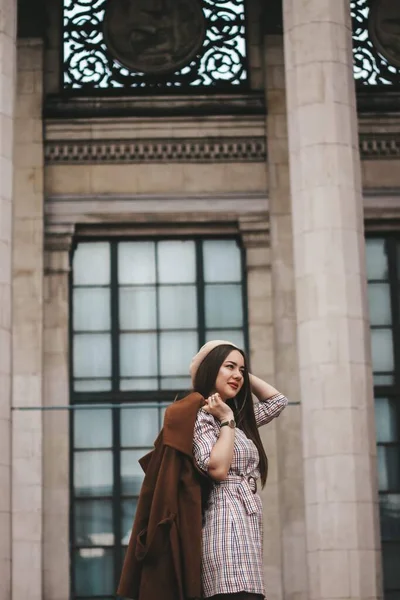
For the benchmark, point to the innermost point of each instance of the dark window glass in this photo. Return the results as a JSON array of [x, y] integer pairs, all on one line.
[[93, 524], [94, 571], [390, 516]]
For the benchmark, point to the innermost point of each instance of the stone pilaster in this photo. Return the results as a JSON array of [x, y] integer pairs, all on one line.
[[56, 559], [286, 372], [27, 431], [8, 9], [256, 240], [333, 338]]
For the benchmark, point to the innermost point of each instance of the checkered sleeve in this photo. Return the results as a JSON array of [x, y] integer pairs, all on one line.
[[269, 409], [206, 432]]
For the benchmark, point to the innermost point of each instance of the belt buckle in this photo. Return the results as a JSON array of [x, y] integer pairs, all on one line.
[[252, 483]]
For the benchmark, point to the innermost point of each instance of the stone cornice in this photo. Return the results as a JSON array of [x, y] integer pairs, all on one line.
[[373, 146], [382, 208], [76, 106], [63, 212]]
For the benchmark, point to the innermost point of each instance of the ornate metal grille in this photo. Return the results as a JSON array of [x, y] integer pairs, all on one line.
[[370, 67], [88, 65]]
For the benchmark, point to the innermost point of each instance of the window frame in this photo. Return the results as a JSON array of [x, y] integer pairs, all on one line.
[[116, 399], [390, 391]]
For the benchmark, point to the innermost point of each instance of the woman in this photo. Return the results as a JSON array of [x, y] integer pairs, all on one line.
[[227, 446]]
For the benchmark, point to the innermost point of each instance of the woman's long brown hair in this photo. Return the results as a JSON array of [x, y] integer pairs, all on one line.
[[241, 405]]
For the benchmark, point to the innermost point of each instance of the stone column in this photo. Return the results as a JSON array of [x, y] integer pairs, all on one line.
[[27, 431], [333, 338], [286, 371], [8, 9], [56, 559]]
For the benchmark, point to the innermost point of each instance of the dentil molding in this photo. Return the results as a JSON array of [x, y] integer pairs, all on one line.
[[378, 146]]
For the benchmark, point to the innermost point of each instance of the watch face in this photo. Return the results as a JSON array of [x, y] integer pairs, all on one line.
[[232, 424]]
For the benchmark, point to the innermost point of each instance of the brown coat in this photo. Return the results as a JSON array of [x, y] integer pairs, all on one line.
[[163, 559]]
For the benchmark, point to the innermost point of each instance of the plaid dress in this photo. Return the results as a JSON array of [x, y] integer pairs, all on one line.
[[232, 530]]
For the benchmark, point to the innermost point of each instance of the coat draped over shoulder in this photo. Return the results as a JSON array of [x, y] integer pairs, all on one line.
[[163, 559]]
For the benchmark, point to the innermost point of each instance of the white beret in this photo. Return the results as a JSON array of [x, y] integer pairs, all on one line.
[[203, 352]]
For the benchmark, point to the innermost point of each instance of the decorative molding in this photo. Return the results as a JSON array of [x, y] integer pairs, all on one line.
[[382, 208], [62, 211], [255, 230], [58, 243], [193, 150], [380, 145], [199, 150]]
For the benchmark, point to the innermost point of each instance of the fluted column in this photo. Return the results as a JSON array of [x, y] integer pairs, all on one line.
[[332, 324]]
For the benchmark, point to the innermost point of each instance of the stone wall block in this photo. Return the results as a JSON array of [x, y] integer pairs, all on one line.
[[5, 306], [314, 571], [330, 431], [363, 581], [5, 257], [5, 220], [5, 442], [6, 179], [6, 125], [5, 387], [5, 481], [335, 574], [29, 559]]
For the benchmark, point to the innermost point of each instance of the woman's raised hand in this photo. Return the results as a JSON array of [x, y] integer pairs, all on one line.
[[218, 408]]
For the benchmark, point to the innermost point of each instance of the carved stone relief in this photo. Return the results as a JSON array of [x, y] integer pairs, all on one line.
[[154, 36], [384, 26]]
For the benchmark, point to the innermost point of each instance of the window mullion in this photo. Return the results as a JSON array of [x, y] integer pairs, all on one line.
[[71, 432], [245, 302], [115, 378], [157, 284], [72, 502], [201, 318], [117, 500], [114, 292], [394, 300]]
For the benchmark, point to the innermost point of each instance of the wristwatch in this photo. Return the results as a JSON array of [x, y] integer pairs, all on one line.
[[231, 424]]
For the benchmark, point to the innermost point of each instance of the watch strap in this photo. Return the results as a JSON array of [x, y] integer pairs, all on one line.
[[231, 423]]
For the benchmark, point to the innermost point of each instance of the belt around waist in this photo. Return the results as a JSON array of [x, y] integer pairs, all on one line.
[[247, 480]]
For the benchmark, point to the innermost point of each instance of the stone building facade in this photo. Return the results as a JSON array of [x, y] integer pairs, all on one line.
[[255, 195]]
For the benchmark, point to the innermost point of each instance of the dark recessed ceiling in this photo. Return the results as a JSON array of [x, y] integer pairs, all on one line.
[[31, 18]]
